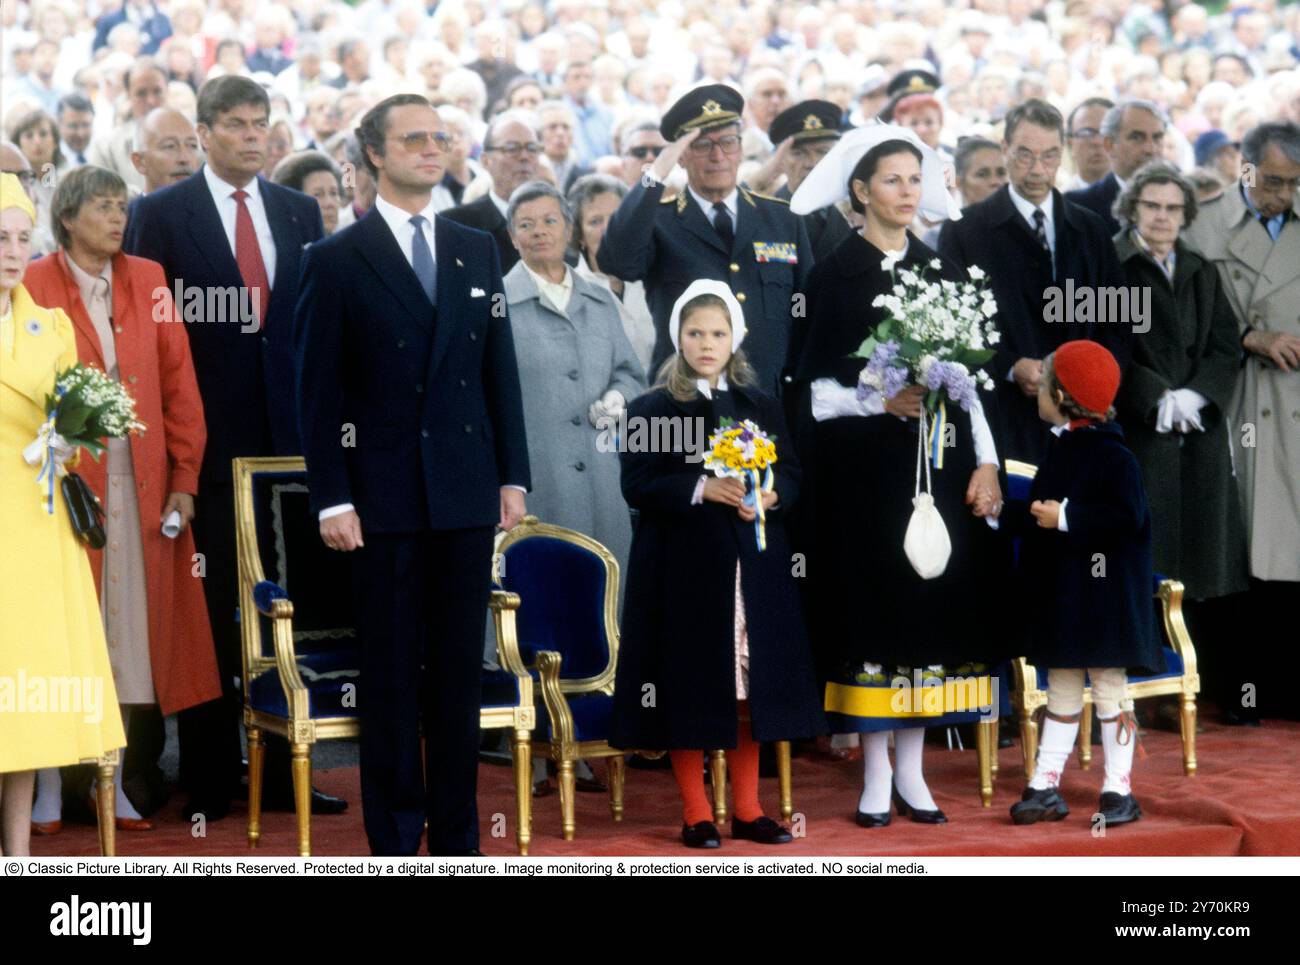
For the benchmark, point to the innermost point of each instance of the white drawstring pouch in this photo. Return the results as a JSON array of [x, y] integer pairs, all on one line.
[[926, 542]]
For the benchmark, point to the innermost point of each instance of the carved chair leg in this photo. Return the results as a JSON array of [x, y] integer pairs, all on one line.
[[616, 773], [1187, 718], [983, 754], [1085, 736], [106, 808], [256, 763], [301, 755], [784, 780], [523, 788], [567, 793], [718, 769]]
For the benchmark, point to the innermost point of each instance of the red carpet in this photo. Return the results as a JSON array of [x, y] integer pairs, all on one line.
[[1244, 800]]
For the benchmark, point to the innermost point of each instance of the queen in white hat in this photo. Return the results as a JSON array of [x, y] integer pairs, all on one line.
[[871, 614]]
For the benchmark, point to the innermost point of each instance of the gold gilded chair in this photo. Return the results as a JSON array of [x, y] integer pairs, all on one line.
[[300, 656], [566, 585], [1181, 677], [106, 801]]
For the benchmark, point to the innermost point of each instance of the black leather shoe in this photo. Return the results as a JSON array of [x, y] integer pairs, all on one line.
[[321, 803], [866, 820], [764, 831], [702, 835], [1035, 806], [1118, 808], [920, 817]]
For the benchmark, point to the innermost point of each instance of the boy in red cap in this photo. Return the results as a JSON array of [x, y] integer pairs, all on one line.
[[1085, 562]]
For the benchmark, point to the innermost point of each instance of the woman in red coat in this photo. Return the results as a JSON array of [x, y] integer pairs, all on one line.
[[160, 642]]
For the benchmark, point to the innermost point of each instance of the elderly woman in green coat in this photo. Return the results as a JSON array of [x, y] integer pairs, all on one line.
[[1174, 400]]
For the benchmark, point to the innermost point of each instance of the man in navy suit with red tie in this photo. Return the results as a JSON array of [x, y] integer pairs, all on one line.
[[228, 231], [412, 423]]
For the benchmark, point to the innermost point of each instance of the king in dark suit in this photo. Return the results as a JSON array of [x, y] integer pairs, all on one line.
[[231, 244], [714, 229], [1038, 249], [404, 339]]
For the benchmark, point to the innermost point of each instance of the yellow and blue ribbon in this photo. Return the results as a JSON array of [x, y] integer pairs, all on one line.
[[937, 426], [752, 498]]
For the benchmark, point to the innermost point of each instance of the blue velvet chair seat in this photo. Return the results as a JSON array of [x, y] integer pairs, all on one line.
[[325, 675]]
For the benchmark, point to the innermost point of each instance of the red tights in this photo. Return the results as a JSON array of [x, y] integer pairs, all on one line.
[[742, 765]]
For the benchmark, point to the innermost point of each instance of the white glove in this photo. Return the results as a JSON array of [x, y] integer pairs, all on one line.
[[611, 405], [1187, 405], [1165, 412], [830, 400]]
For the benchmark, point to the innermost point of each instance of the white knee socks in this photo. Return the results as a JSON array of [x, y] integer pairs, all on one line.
[[1054, 746]]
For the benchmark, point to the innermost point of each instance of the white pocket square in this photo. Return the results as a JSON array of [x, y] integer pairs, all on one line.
[[477, 293]]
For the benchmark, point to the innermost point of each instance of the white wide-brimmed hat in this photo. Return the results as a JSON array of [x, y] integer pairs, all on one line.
[[828, 182]]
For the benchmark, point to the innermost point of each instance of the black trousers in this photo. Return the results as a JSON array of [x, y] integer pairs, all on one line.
[[210, 752], [421, 610]]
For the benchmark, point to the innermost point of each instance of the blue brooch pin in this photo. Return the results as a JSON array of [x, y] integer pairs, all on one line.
[[33, 327]]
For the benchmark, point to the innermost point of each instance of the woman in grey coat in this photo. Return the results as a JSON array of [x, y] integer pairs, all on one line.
[[577, 371]]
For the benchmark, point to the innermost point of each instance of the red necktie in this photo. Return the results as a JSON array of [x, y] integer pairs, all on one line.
[[248, 255]]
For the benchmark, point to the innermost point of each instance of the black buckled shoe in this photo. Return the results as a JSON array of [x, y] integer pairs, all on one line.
[[920, 817], [702, 835], [1035, 805], [868, 820], [1116, 808], [763, 830]]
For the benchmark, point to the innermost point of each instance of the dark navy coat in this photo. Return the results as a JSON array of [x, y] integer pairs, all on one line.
[[1073, 612], [993, 235], [245, 377], [433, 395], [1098, 198], [679, 627], [670, 243]]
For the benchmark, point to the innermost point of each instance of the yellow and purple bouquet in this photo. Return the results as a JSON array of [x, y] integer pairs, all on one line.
[[744, 451]]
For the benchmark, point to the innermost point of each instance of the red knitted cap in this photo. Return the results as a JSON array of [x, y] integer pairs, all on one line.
[[1088, 372]]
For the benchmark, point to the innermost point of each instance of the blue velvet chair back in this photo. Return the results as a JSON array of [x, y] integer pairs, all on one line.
[[567, 585]]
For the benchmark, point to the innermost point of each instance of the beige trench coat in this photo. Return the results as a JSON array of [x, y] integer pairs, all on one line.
[[1262, 281]]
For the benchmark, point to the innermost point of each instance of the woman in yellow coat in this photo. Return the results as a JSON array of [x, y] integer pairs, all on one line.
[[58, 704]]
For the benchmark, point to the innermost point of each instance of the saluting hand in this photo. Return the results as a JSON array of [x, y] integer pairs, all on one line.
[[669, 156]]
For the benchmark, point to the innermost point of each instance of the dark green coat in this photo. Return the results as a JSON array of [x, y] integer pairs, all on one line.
[[1198, 535]]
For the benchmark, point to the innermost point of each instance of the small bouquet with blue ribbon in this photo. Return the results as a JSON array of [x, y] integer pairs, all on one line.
[[744, 451], [86, 406], [936, 333]]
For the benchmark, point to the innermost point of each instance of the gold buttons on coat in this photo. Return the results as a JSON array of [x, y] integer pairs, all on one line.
[[735, 267], [740, 297]]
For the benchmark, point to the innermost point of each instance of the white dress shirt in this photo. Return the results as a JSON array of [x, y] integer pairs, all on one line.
[[707, 206], [227, 208], [1026, 209]]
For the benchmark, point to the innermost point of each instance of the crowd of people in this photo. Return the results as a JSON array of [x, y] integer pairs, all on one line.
[[684, 209]]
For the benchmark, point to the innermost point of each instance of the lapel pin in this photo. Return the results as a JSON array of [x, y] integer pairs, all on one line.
[[33, 327], [459, 263]]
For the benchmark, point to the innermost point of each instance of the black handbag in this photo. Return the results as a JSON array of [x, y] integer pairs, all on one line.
[[85, 511]]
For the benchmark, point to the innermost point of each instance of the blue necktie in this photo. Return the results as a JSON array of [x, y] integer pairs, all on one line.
[[422, 260]]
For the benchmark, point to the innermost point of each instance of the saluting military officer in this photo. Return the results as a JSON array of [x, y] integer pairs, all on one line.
[[812, 128], [713, 229]]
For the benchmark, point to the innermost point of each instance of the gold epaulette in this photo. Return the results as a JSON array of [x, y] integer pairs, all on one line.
[[769, 197]]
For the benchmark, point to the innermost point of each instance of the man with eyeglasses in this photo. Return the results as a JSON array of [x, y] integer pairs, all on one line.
[[511, 155], [1087, 147], [402, 333], [1133, 133], [227, 228], [714, 229], [1034, 244], [1252, 234], [641, 144]]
